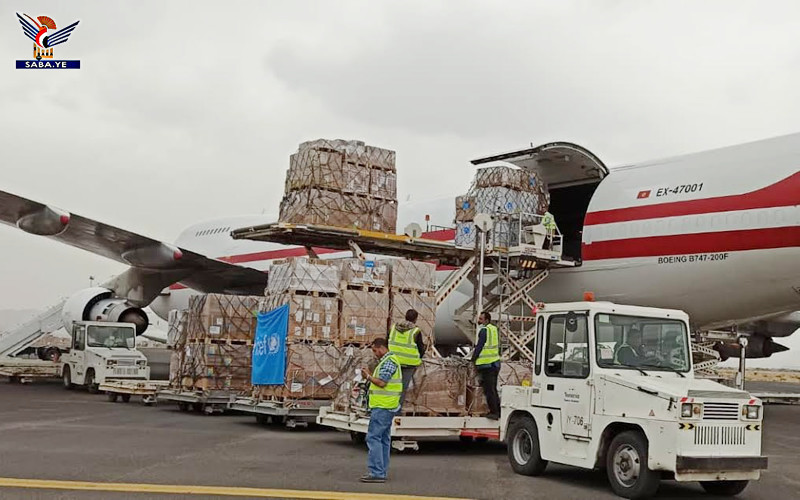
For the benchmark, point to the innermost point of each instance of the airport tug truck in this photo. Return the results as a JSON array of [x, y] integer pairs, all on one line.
[[613, 388], [101, 352]]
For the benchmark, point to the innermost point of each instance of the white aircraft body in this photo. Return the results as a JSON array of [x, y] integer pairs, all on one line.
[[716, 234]]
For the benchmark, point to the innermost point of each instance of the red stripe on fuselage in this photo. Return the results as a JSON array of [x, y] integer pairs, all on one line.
[[781, 194], [687, 244], [283, 253]]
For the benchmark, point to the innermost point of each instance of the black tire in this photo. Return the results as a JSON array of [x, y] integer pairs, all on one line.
[[466, 439], [481, 439], [126, 398], [524, 453], [112, 396], [198, 407], [626, 467], [183, 406], [263, 419], [724, 488], [91, 387], [66, 378], [13, 379], [358, 438]]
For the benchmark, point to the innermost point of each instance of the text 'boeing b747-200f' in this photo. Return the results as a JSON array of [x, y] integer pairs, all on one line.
[[716, 234]]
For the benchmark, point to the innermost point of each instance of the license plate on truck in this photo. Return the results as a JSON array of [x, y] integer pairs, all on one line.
[[126, 371]]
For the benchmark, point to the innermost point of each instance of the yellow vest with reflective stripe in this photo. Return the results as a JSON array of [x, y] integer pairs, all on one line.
[[548, 221], [402, 345], [491, 349], [387, 397]]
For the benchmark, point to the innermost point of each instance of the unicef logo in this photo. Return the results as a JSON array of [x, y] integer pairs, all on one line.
[[274, 344]]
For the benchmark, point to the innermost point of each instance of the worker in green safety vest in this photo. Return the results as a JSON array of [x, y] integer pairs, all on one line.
[[405, 342], [486, 357], [549, 223], [385, 391]]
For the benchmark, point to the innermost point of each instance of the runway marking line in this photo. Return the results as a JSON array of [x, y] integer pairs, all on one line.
[[178, 489]]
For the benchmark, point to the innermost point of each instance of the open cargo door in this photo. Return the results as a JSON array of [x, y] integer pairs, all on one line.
[[572, 173]]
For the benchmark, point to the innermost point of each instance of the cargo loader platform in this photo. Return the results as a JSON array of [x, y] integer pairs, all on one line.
[[208, 402], [410, 428], [124, 389], [297, 413]]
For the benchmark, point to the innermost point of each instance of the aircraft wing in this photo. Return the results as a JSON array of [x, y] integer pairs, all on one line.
[[154, 264]]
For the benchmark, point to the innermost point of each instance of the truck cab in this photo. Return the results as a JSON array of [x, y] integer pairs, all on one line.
[[102, 351], [613, 388]]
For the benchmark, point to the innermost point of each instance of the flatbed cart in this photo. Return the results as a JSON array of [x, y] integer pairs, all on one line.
[[208, 402], [123, 389], [297, 413], [410, 428], [25, 371]]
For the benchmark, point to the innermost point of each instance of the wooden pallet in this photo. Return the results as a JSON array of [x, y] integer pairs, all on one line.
[[309, 293], [224, 341], [364, 287]]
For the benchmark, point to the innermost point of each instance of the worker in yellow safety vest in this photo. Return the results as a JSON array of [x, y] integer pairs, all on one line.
[[385, 390], [486, 357], [549, 223], [405, 342]]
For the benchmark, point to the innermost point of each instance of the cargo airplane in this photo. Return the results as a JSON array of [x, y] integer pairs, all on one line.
[[715, 233]]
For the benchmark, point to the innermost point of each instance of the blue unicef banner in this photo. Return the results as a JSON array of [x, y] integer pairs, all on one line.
[[269, 350]]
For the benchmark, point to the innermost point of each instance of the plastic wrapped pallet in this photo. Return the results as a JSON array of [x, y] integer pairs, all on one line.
[[176, 328], [217, 316], [465, 208], [439, 388], [311, 318], [302, 273], [368, 273], [424, 303], [351, 360], [216, 366], [312, 372], [511, 373], [412, 274], [499, 176], [364, 316], [383, 184], [466, 234], [331, 208]]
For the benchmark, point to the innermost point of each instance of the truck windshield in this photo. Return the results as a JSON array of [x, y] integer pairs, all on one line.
[[110, 336], [633, 342]]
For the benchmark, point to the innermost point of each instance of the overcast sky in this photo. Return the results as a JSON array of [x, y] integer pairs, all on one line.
[[184, 111]]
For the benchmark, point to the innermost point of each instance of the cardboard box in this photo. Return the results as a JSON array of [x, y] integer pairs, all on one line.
[[217, 316], [439, 388], [412, 274], [357, 272], [465, 208], [364, 316], [310, 318], [302, 273], [312, 372], [511, 373]]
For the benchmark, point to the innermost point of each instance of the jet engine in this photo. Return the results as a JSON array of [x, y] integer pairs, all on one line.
[[757, 347], [99, 304]]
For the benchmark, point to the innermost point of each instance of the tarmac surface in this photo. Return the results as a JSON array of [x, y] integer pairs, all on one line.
[[49, 434]]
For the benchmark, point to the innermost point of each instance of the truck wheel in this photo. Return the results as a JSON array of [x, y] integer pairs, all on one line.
[[358, 438], [724, 488], [66, 378], [112, 396], [626, 467], [91, 387], [523, 448], [183, 406], [125, 398]]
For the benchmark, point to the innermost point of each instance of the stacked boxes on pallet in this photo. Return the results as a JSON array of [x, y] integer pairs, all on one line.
[[439, 388], [212, 350], [365, 301], [414, 287], [499, 190], [341, 183], [511, 373], [311, 289]]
